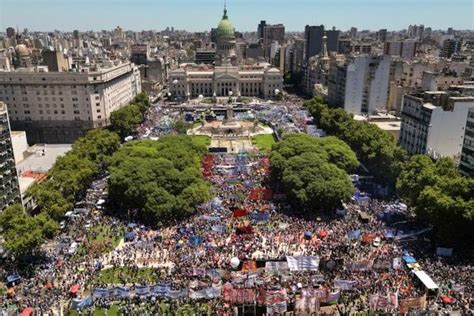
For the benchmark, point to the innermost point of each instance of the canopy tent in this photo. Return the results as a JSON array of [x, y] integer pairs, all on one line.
[[13, 278], [244, 230], [322, 233], [196, 240], [308, 235], [130, 236], [354, 234], [74, 289], [239, 212], [259, 216], [426, 280], [409, 259], [27, 311]]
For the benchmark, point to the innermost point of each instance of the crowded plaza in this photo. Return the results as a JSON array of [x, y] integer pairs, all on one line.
[[247, 251]]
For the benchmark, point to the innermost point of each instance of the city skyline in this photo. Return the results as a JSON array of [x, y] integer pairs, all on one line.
[[48, 15]]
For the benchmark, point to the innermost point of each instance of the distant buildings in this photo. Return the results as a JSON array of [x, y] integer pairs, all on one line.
[[9, 187], [10, 32], [434, 123], [271, 34], [360, 85], [314, 40], [450, 47], [405, 49], [59, 107]]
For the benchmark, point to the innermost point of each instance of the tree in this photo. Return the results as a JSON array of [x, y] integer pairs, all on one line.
[[440, 196], [23, 233], [142, 101], [376, 149], [313, 171], [125, 120], [160, 179], [72, 173]]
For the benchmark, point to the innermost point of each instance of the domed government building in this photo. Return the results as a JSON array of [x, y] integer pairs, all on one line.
[[226, 77]]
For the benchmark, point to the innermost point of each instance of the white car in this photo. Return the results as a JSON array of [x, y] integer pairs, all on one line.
[[377, 241], [62, 225], [72, 249]]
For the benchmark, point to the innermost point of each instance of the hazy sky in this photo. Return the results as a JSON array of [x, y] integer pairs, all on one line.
[[199, 15]]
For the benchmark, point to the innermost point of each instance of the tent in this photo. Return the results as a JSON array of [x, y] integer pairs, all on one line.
[[239, 212], [74, 289], [447, 299], [260, 216], [27, 311], [13, 278], [354, 234], [196, 240], [409, 259], [244, 230], [322, 233], [308, 235], [130, 236]]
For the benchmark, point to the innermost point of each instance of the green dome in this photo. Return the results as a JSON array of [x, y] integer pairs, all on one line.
[[225, 29]]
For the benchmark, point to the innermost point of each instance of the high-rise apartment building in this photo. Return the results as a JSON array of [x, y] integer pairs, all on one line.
[[271, 34], [467, 156], [9, 187], [314, 40], [450, 47], [382, 35], [361, 84], [59, 107], [10, 32], [405, 49], [55, 60], [434, 123]]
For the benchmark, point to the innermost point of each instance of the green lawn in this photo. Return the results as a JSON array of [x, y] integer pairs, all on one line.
[[100, 239], [263, 142], [113, 311], [102, 312], [202, 140], [122, 275], [196, 124]]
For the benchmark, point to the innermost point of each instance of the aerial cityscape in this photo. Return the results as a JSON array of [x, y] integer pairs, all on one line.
[[317, 161]]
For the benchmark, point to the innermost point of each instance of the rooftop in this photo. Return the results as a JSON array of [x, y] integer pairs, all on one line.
[[42, 158]]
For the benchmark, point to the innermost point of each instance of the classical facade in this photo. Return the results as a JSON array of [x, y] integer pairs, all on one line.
[[226, 77]]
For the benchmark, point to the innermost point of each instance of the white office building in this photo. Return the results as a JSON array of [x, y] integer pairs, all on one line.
[[59, 107]]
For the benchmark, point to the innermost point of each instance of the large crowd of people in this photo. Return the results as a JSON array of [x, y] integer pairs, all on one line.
[[246, 248]]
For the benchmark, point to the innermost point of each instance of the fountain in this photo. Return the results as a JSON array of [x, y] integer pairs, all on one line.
[[231, 133]]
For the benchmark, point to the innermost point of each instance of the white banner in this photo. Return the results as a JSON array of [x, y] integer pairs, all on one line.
[[303, 263]]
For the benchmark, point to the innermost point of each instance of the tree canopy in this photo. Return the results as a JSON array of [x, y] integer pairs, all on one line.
[[125, 120], [440, 196], [376, 149], [72, 173], [158, 180], [314, 170], [23, 233]]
